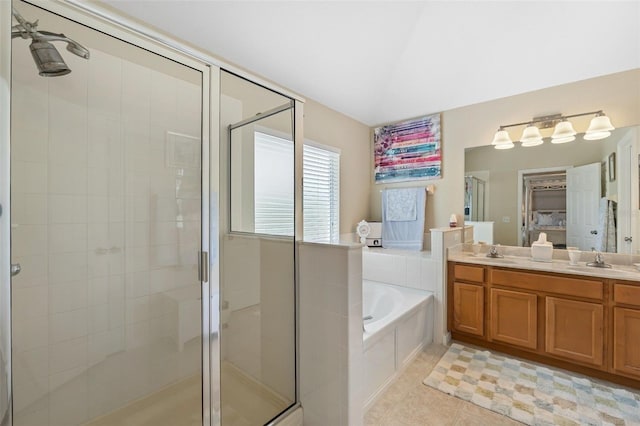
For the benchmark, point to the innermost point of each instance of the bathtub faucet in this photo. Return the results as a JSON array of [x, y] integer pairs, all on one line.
[[367, 318]]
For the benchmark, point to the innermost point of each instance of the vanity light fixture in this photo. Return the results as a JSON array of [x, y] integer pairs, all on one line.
[[531, 136], [501, 138], [563, 132], [599, 128]]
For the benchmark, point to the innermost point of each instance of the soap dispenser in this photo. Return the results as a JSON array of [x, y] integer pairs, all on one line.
[[542, 250]]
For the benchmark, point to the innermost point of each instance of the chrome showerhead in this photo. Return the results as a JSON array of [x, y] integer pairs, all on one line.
[[48, 59], [46, 56]]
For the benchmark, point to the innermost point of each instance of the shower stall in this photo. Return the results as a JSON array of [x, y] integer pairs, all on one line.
[[136, 286]]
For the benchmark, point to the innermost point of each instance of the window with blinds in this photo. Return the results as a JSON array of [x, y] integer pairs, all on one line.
[[274, 186], [321, 194]]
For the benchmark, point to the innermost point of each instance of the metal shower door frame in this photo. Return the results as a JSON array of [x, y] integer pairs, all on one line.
[[5, 210], [111, 26]]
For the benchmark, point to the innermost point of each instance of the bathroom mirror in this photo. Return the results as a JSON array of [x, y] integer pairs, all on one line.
[[565, 190]]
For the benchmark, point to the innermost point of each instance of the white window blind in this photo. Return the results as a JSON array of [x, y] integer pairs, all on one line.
[[273, 185], [274, 189], [321, 194]]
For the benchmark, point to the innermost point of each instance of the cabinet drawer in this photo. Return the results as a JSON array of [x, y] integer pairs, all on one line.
[[469, 273], [627, 294], [548, 283]]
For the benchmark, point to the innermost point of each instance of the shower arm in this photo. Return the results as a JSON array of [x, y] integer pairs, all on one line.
[[27, 30], [23, 29]]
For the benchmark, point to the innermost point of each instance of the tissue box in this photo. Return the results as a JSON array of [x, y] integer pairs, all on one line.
[[542, 252]]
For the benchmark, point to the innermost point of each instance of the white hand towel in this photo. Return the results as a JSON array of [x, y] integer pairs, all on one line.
[[401, 204], [404, 234]]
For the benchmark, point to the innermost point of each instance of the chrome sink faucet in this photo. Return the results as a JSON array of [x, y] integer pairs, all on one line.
[[493, 252], [598, 261]]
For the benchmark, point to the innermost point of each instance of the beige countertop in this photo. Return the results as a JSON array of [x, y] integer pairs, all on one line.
[[618, 271]]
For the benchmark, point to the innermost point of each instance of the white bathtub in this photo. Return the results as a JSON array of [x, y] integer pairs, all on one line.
[[401, 324]]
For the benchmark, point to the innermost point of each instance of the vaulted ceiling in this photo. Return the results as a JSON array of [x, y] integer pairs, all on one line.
[[381, 61]]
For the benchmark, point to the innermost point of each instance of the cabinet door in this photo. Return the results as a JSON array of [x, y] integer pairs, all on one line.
[[468, 308], [574, 330], [626, 338], [514, 318]]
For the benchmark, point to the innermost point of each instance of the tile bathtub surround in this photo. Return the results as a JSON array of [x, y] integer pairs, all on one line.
[[331, 350], [399, 267]]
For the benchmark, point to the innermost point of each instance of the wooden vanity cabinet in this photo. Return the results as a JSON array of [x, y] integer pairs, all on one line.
[[626, 329], [586, 324]]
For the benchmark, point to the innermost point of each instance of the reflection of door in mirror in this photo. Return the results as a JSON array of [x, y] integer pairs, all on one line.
[[474, 189], [584, 228]]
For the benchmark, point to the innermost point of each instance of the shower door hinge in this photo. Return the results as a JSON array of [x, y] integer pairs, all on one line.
[[203, 266]]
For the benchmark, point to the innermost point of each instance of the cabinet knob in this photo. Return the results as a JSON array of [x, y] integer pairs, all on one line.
[[628, 239], [594, 232]]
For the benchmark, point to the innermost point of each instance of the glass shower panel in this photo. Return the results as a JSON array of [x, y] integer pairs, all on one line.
[[262, 198], [106, 224], [257, 346]]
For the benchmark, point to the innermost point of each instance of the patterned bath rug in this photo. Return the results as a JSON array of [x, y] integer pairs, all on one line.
[[531, 394]]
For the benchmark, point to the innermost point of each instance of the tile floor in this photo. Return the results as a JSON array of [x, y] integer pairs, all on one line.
[[410, 403]]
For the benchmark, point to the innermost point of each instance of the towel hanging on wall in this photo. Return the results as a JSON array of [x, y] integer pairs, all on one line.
[[401, 204], [606, 237], [403, 218]]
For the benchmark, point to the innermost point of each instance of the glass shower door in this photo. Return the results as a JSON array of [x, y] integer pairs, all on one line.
[[106, 224], [258, 332]]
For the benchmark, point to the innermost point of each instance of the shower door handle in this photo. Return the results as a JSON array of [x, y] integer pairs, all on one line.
[[15, 269], [203, 266]]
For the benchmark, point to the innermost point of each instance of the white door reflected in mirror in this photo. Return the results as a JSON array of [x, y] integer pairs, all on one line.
[[504, 197]]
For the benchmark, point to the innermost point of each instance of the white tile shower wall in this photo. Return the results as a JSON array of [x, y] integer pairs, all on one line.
[[415, 270], [102, 227], [331, 354]]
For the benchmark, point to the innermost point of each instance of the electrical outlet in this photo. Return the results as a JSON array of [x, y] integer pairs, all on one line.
[[506, 219]]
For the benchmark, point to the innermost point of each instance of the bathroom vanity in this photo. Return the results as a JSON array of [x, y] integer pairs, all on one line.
[[575, 317]]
